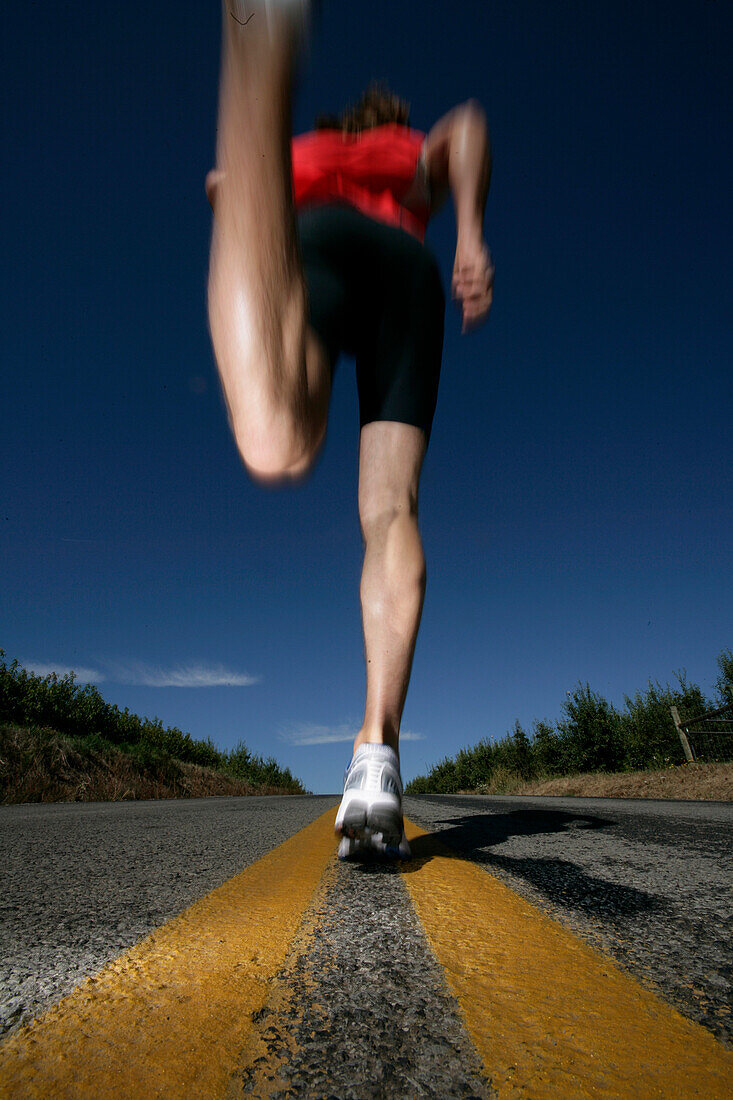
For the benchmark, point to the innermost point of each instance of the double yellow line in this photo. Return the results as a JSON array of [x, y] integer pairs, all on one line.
[[549, 1016], [170, 1016]]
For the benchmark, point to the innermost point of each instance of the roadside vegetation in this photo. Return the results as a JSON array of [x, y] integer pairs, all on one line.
[[61, 742], [596, 749]]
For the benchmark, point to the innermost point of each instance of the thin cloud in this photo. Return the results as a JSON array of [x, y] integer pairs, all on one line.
[[184, 676], [83, 675], [139, 674], [310, 734]]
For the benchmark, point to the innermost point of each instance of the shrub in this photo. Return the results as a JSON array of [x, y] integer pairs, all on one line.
[[724, 683], [592, 737], [59, 703]]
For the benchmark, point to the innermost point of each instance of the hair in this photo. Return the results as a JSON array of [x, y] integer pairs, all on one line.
[[377, 107]]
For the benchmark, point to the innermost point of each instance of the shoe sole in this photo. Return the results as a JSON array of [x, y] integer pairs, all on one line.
[[368, 849], [356, 817]]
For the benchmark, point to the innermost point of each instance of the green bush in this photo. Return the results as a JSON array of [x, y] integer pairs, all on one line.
[[546, 751], [59, 703], [724, 683], [592, 736], [649, 735]]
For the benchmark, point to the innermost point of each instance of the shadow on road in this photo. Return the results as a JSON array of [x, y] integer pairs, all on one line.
[[561, 881]]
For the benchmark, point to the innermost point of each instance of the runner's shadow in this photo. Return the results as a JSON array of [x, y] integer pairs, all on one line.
[[473, 834], [561, 881]]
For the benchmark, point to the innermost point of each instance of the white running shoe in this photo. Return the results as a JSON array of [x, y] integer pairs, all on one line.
[[369, 818], [370, 845]]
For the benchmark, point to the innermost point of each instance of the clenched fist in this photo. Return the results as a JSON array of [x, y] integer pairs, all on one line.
[[473, 280]]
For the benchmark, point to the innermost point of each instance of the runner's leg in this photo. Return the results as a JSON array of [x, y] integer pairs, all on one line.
[[393, 576], [274, 370], [369, 818]]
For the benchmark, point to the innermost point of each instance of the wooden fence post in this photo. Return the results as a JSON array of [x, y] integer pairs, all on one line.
[[682, 736]]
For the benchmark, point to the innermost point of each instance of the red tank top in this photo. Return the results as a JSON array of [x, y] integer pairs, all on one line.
[[371, 171]]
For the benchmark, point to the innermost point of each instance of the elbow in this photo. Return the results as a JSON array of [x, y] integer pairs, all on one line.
[[471, 118], [474, 108]]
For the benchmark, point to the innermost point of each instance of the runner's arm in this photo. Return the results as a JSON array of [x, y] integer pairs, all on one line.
[[457, 154]]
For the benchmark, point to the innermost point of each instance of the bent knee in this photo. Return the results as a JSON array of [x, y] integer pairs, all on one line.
[[378, 516], [270, 455], [274, 450]]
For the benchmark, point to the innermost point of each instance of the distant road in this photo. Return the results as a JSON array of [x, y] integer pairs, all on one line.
[[649, 884]]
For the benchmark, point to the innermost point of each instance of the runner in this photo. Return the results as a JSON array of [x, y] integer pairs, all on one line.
[[318, 249]]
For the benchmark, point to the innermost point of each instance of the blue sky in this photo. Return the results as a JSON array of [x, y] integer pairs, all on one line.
[[576, 496]]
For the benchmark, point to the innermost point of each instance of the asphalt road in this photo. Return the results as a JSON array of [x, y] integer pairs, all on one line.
[[82, 882], [649, 883]]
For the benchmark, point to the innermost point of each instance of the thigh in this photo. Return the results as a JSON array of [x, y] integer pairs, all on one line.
[[399, 357], [376, 293], [325, 252]]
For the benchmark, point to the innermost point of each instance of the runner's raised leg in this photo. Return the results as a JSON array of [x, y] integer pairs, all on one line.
[[274, 369]]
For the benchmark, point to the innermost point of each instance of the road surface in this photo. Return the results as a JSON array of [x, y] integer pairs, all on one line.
[[533, 947]]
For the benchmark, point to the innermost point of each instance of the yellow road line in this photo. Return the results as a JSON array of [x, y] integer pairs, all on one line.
[[169, 1017], [550, 1016]]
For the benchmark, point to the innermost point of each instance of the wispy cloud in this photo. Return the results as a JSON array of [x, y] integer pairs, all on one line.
[[310, 734], [83, 675], [183, 676], [140, 674]]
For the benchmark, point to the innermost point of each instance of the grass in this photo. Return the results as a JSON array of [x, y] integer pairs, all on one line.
[[705, 782], [38, 764]]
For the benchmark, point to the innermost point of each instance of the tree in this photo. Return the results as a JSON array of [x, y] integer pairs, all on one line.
[[521, 753], [545, 749], [591, 732], [649, 736], [724, 683]]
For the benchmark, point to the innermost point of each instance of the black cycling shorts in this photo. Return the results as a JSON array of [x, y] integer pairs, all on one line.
[[375, 293]]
